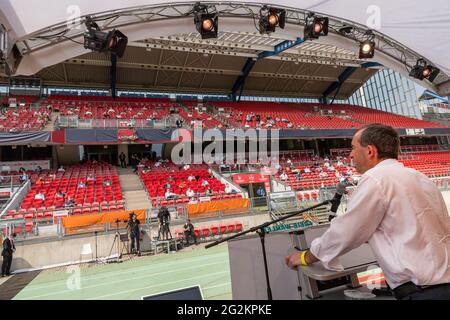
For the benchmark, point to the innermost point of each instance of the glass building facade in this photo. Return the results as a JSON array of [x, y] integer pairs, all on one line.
[[389, 91]]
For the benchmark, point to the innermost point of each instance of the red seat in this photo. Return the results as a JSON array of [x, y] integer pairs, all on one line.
[[238, 226], [205, 232], [223, 229], [231, 227], [214, 230]]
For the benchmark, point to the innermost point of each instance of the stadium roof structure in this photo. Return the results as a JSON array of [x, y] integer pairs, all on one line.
[[166, 53]]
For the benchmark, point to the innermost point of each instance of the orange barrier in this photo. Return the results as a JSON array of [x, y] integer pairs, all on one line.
[[101, 218], [221, 205]]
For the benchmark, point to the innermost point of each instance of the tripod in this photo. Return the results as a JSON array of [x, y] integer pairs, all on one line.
[[260, 230], [116, 238]]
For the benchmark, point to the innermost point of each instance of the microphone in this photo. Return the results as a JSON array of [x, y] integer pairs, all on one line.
[[336, 201]]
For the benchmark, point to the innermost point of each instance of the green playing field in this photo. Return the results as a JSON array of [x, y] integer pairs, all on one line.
[[137, 277]]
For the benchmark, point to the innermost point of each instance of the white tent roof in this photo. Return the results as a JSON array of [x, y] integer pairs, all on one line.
[[422, 27]]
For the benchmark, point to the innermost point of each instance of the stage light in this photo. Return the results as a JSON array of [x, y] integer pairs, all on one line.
[[96, 40], [270, 18], [315, 27], [206, 23], [366, 49], [422, 70]]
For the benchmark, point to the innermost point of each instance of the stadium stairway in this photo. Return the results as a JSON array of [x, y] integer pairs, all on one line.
[[50, 126], [133, 191]]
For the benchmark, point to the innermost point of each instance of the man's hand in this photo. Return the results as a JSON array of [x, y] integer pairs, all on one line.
[[293, 260]]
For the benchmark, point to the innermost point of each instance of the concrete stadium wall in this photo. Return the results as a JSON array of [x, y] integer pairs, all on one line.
[[41, 254], [69, 155]]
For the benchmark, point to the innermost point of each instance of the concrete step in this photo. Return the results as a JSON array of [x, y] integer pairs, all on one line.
[[134, 194]]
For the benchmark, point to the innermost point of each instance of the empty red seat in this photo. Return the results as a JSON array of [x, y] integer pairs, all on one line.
[[223, 229], [214, 230], [205, 232]]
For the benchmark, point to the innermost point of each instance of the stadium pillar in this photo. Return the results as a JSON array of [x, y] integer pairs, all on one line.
[[238, 86], [316, 143], [113, 75]]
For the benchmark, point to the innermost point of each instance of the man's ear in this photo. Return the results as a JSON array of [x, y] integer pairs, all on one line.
[[372, 151]]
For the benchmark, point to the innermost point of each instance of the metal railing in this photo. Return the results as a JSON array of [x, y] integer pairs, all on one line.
[[75, 122]]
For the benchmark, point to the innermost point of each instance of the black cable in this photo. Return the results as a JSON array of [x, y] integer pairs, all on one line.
[[72, 40]]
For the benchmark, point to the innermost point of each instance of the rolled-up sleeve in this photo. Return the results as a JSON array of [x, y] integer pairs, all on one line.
[[365, 211]]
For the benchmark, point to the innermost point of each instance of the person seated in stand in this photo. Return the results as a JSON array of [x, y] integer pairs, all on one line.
[[169, 195], [205, 183], [189, 232], [186, 167], [331, 168], [298, 176], [323, 174], [167, 186], [191, 178], [40, 181], [193, 200], [228, 189], [90, 178], [39, 196], [284, 176], [61, 169], [106, 183], [307, 170], [190, 193], [59, 195], [209, 191], [38, 169], [81, 185]]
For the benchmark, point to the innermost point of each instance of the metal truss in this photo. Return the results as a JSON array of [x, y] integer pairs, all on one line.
[[246, 45]]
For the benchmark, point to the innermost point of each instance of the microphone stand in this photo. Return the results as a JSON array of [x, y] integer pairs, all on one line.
[[260, 230]]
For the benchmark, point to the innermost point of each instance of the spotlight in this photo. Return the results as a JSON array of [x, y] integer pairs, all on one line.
[[207, 24], [97, 40], [315, 27], [422, 70], [366, 49], [270, 18]]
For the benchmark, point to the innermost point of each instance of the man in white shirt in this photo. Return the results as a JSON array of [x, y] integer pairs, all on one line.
[[323, 174], [191, 178], [284, 176], [39, 196], [190, 193], [169, 195], [227, 189], [401, 214]]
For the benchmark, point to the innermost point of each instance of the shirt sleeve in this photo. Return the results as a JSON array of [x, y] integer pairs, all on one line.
[[365, 211]]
